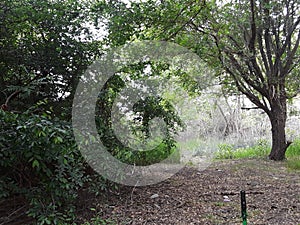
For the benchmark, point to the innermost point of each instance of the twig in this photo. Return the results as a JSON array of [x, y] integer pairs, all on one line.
[[131, 195], [14, 212]]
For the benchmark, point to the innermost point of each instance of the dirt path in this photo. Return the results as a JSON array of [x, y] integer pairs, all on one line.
[[208, 197]]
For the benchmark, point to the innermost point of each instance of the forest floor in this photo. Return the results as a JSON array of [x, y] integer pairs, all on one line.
[[211, 196], [193, 196]]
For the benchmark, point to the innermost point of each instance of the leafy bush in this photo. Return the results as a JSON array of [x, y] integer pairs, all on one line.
[[40, 160], [143, 158]]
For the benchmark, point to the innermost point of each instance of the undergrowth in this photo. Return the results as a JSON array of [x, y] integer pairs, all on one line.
[[260, 150], [228, 151], [293, 155]]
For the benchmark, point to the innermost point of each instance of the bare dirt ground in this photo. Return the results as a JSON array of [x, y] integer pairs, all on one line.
[[207, 197]]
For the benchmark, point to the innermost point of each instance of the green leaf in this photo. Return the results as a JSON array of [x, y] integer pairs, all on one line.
[[58, 140], [35, 163]]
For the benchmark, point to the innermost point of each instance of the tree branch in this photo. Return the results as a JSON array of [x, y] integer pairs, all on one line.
[[249, 108], [251, 45], [5, 105]]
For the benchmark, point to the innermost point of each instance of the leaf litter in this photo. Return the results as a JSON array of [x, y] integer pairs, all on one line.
[[210, 197]]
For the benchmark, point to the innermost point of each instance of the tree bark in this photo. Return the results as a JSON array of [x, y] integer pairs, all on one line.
[[278, 116]]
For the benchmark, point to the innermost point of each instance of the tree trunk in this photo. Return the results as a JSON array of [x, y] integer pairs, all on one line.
[[278, 117]]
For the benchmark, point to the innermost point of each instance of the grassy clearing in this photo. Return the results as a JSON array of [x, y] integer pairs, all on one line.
[[260, 150]]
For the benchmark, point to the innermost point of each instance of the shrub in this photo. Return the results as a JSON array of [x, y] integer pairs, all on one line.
[[40, 160], [144, 158]]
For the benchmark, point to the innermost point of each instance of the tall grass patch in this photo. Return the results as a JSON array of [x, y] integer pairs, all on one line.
[[260, 150], [293, 155]]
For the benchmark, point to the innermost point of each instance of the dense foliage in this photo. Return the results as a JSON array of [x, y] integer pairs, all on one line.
[[39, 159], [44, 48]]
